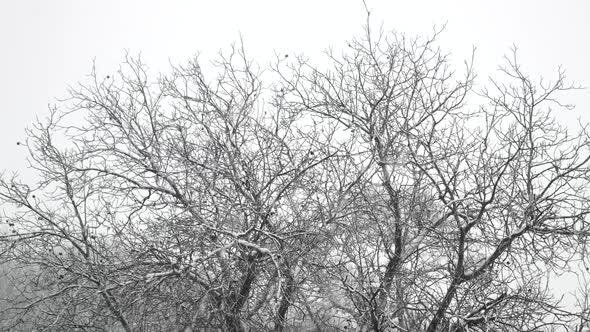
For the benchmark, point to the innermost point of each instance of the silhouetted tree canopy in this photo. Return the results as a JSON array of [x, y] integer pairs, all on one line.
[[379, 192]]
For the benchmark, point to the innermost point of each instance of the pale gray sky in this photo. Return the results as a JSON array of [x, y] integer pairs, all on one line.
[[46, 45]]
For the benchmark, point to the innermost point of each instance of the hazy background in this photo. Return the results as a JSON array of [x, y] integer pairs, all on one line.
[[48, 45]]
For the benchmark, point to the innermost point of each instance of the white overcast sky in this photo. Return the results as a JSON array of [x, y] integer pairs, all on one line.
[[48, 44]]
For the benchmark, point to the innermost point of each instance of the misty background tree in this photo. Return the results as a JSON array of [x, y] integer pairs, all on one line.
[[379, 191]]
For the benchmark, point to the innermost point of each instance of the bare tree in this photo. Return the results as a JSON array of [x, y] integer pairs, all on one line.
[[369, 194], [461, 210]]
